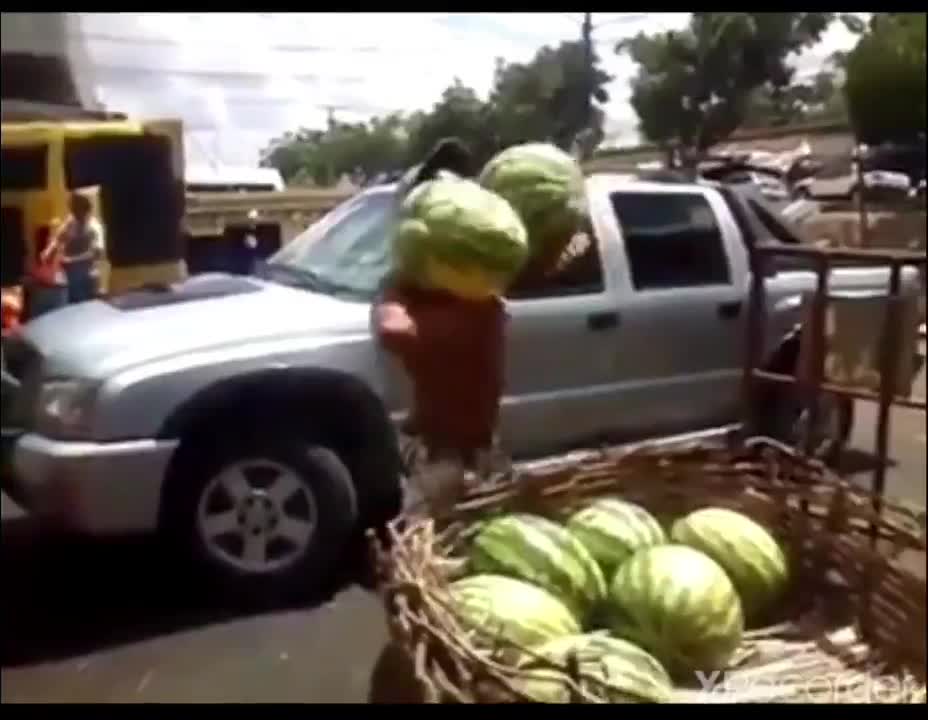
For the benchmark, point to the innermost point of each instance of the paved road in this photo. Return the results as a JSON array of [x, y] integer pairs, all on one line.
[[92, 622]]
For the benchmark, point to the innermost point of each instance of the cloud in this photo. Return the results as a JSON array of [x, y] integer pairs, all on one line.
[[239, 79]]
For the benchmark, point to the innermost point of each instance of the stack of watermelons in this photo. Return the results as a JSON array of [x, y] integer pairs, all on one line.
[[639, 607], [472, 237]]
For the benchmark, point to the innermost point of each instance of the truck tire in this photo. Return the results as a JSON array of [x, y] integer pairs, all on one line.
[[264, 515]]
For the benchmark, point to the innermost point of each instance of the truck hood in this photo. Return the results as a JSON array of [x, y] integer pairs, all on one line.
[[93, 339]]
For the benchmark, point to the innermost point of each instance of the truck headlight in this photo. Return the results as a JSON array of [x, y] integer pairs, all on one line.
[[64, 406]]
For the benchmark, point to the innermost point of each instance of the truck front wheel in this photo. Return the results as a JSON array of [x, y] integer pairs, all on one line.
[[266, 516]]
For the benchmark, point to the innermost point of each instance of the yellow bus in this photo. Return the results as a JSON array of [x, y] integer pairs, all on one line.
[[132, 171]]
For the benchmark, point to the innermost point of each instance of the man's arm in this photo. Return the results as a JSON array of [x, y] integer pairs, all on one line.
[[98, 241], [560, 267], [394, 326]]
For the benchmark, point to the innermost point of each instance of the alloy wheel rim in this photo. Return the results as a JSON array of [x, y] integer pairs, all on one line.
[[257, 516]]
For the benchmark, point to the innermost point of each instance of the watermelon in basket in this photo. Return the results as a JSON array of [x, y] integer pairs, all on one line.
[[767, 584]]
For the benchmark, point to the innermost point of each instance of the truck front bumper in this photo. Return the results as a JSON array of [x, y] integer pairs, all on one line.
[[95, 488]]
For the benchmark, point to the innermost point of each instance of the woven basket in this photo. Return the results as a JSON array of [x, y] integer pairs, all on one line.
[[852, 629]]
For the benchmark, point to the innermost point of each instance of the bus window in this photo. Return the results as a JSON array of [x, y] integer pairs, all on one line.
[[92, 161], [140, 205], [13, 246], [24, 167]]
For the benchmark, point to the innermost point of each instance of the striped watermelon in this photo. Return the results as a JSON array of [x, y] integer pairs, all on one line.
[[749, 554], [679, 604], [517, 611], [612, 529], [540, 551], [625, 672]]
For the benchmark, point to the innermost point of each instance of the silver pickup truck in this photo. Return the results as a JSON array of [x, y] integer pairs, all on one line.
[[252, 420]]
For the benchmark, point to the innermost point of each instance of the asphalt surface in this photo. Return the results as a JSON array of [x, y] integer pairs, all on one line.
[[108, 622]]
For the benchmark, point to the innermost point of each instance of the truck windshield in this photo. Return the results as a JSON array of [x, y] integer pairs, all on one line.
[[347, 252]]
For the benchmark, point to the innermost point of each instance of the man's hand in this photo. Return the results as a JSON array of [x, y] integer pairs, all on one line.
[[395, 326]]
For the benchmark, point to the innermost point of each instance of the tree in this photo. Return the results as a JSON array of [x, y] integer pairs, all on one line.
[[293, 152], [820, 99], [693, 87], [323, 156], [885, 85], [546, 98], [459, 113]]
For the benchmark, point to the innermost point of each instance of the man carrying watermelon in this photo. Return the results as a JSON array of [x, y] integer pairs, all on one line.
[[458, 246], [441, 316]]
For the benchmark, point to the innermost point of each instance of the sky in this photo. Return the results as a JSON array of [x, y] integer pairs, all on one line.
[[240, 79]]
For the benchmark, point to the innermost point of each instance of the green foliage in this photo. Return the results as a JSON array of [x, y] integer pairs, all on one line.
[[694, 87], [322, 156], [545, 99], [541, 100], [459, 113], [819, 100], [885, 86]]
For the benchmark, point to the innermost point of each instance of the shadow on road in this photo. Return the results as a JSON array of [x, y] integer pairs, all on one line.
[[64, 596], [854, 461]]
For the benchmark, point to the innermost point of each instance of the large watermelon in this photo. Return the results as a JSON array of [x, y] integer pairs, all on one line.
[[612, 529], [540, 551], [749, 554], [517, 611], [454, 235], [679, 604], [545, 186], [609, 667]]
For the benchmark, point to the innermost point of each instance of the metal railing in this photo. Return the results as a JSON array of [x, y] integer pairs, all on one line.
[[810, 376]]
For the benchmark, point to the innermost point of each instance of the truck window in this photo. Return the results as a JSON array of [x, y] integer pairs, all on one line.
[[25, 168], [350, 249], [580, 272], [672, 240]]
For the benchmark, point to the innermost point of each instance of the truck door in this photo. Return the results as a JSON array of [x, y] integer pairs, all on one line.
[[559, 361], [683, 311]]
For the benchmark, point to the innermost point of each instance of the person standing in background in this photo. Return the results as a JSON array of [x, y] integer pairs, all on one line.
[[47, 285], [81, 241]]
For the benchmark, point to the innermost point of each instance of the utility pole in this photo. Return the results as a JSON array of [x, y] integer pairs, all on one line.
[[586, 31]]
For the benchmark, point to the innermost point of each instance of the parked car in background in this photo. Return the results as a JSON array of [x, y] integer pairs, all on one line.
[[771, 187], [251, 420], [845, 186], [762, 181]]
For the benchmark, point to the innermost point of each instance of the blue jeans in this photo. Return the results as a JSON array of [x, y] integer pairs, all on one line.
[[45, 298], [82, 282]]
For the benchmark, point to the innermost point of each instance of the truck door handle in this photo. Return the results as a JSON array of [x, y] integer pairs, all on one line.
[[602, 321], [730, 310]]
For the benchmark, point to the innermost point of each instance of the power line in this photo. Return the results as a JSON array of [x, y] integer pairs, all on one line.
[[632, 18], [589, 61], [170, 42], [309, 78]]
